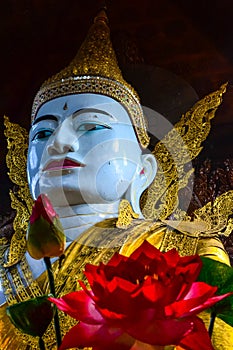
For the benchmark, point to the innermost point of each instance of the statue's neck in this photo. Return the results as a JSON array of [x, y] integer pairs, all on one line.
[[78, 218]]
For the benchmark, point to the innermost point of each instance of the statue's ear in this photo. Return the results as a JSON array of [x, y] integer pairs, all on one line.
[[141, 181]]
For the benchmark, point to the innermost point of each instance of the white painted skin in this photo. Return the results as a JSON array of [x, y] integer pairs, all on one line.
[[96, 132]]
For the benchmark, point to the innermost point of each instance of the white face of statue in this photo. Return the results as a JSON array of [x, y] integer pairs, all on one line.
[[82, 149]]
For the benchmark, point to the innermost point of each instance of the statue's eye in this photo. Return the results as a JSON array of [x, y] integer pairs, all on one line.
[[92, 127], [43, 134]]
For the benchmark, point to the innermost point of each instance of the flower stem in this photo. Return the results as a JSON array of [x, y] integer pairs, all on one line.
[[211, 325], [52, 290], [41, 344]]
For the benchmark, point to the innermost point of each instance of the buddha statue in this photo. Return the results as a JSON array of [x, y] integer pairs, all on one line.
[[88, 152]]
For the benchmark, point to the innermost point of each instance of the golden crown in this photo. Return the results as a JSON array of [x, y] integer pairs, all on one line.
[[95, 70]]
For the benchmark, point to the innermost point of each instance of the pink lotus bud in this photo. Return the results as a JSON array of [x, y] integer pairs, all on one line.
[[45, 233]]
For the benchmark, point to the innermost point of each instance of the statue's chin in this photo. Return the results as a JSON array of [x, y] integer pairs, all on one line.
[[71, 190], [61, 198]]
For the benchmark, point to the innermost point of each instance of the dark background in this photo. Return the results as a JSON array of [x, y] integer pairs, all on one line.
[[171, 51]]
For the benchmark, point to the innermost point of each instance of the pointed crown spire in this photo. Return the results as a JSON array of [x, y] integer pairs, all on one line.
[[94, 69]]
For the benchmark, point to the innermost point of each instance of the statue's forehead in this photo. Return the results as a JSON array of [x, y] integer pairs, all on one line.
[[65, 106]]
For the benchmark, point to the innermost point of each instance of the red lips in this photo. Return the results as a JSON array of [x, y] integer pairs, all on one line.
[[62, 164]]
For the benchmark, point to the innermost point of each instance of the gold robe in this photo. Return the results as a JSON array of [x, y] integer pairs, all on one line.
[[98, 244]]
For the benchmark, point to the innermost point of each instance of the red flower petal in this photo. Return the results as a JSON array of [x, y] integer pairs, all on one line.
[[43, 207], [79, 306], [172, 258], [197, 299], [148, 249], [125, 285], [189, 268], [146, 300], [147, 254], [201, 290], [209, 303], [160, 332], [197, 339], [157, 293], [152, 291], [84, 335], [117, 297], [116, 259]]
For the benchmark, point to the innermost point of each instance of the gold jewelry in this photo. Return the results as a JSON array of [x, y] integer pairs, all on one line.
[[125, 215], [21, 200], [95, 70]]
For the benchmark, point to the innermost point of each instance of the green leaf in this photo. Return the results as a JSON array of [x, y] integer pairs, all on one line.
[[32, 316], [219, 274]]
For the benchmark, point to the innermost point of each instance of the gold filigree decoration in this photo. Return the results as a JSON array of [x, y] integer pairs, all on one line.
[[216, 215], [174, 154], [21, 201], [125, 215], [184, 243]]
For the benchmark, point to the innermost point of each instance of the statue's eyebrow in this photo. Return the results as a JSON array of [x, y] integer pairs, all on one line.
[[93, 110], [45, 117]]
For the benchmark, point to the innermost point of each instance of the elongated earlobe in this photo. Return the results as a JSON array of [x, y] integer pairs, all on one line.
[[149, 169], [141, 182]]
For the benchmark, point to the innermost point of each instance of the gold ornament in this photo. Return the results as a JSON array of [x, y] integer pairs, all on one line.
[[21, 200], [125, 215], [216, 215], [174, 153], [95, 70]]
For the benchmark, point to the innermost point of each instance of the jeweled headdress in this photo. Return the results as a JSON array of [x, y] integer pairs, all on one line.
[[95, 70]]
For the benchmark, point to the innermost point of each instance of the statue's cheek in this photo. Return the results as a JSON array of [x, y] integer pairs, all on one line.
[[33, 165], [113, 178]]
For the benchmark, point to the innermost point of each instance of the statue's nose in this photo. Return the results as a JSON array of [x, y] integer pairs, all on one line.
[[64, 139]]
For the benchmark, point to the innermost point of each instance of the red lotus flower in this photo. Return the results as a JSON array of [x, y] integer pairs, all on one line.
[[45, 233], [149, 299]]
